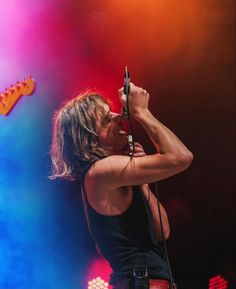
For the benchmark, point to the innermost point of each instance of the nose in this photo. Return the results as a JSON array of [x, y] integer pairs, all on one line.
[[116, 117]]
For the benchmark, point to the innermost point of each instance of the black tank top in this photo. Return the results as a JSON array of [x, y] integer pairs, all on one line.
[[127, 240]]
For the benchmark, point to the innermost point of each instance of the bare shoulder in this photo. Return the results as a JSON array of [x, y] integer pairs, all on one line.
[[101, 174], [103, 197]]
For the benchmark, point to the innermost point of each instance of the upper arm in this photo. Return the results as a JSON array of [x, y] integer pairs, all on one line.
[[117, 170]]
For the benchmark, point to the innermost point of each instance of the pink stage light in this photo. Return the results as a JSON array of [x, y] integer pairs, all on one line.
[[97, 283], [98, 274], [218, 282]]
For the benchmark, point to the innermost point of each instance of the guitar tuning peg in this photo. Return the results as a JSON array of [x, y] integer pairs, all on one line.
[[18, 84]]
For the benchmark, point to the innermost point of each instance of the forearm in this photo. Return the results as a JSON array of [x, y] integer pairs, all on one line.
[[163, 138]]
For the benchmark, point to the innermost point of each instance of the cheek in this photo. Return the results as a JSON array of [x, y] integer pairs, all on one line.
[[104, 135]]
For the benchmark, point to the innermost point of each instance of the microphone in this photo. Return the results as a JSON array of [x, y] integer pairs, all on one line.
[[124, 112]]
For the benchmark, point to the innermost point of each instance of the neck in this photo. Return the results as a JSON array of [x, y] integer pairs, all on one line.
[[111, 151]]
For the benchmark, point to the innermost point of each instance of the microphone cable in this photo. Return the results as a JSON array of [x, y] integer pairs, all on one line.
[[156, 193], [126, 115]]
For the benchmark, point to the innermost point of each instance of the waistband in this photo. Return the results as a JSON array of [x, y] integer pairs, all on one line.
[[152, 283]]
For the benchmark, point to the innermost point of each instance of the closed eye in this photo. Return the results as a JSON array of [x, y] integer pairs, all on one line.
[[107, 118]]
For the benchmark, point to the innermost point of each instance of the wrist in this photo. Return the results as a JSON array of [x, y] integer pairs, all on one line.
[[140, 115]]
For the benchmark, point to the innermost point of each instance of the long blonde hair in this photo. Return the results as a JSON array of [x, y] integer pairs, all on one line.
[[75, 135]]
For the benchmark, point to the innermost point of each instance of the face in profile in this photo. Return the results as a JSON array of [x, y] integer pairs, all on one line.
[[111, 135]]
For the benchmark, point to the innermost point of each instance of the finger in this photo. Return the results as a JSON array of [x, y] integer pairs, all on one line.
[[133, 85], [121, 91], [140, 154], [138, 144], [123, 101], [138, 149]]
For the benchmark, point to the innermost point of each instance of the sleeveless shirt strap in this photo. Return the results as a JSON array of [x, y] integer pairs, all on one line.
[[83, 173], [85, 203]]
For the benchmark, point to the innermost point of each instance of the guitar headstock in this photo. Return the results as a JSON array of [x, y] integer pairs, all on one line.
[[11, 95]]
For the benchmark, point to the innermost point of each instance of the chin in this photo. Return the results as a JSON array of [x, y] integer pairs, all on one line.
[[121, 145]]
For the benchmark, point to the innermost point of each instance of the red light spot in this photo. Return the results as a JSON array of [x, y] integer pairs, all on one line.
[[218, 282]]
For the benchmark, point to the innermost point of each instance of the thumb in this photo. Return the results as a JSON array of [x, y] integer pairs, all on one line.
[[122, 97], [123, 100], [121, 91]]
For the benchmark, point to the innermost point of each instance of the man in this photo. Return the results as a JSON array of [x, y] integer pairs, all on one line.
[[89, 145]]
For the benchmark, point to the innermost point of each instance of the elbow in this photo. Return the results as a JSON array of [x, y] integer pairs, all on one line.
[[185, 160], [166, 234], [161, 237]]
